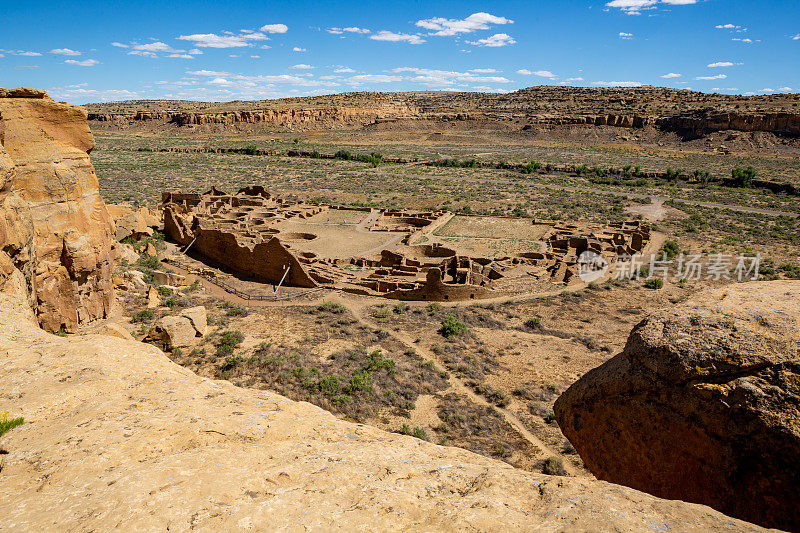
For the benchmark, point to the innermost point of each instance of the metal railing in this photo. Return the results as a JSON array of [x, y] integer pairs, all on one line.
[[236, 292]]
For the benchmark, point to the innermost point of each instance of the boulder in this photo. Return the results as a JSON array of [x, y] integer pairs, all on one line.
[[172, 332], [115, 330], [136, 277], [132, 222], [199, 319], [153, 299], [702, 405], [168, 278], [127, 253]]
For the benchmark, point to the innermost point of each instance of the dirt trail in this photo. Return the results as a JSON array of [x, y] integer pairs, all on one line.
[[456, 385]]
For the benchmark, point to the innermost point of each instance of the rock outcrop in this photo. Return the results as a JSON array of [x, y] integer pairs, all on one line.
[[690, 114], [55, 231], [702, 405], [116, 435]]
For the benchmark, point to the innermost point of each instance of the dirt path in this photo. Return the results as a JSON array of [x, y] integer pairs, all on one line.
[[456, 385]]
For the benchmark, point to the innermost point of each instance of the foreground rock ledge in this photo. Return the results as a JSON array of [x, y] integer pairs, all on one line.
[[118, 436], [702, 405]]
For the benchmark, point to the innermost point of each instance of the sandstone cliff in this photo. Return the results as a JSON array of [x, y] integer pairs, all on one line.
[[702, 405], [119, 437], [56, 233], [690, 114]]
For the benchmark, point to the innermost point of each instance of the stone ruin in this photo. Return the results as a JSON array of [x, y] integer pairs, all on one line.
[[246, 233]]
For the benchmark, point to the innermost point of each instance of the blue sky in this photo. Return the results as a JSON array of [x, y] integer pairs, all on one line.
[[206, 50]]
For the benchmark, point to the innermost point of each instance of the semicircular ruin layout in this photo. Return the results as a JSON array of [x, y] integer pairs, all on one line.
[[393, 253]]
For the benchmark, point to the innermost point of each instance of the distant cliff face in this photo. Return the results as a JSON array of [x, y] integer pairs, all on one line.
[[688, 113], [356, 116], [55, 231]]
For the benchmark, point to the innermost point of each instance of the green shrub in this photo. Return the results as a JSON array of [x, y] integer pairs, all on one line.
[[531, 167], [376, 361], [228, 341], [145, 315], [361, 381], [7, 424], [654, 283], [331, 307], [743, 177], [670, 249], [533, 322], [401, 308], [149, 261], [553, 466], [452, 326], [380, 312], [329, 385]]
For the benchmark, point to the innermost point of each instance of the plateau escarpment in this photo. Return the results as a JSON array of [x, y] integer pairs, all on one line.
[[689, 114]]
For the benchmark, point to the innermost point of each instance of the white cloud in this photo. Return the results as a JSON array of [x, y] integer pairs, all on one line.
[[212, 40], [483, 70], [274, 28], [207, 73], [671, 75], [540, 73], [344, 70], [65, 52], [80, 93], [335, 31], [635, 7], [443, 78], [747, 41], [443, 27], [373, 78], [573, 79], [727, 27], [625, 36], [119, 45], [617, 84], [84, 63], [156, 46], [795, 37], [785, 89], [496, 40], [717, 77], [392, 37], [195, 52], [298, 49], [143, 53], [301, 66], [28, 54], [632, 7], [181, 56], [354, 29], [720, 64]]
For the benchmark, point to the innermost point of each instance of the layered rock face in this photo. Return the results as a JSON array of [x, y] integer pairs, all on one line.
[[702, 405], [690, 114], [56, 234], [117, 435]]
